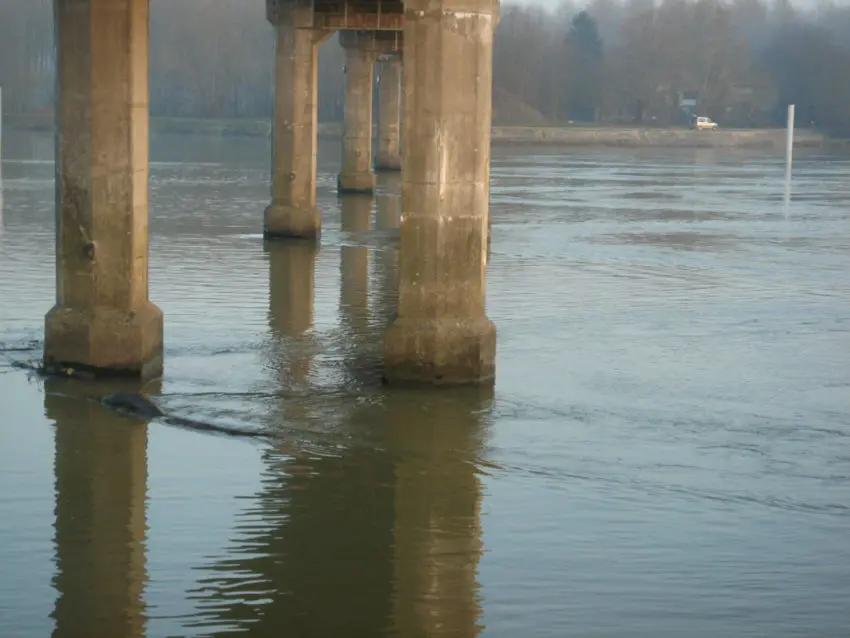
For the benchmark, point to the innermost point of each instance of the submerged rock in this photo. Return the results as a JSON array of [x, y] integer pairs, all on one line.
[[133, 404]]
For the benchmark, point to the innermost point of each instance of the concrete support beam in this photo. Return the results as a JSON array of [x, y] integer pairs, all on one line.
[[357, 175], [103, 321], [442, 334], [292, 212], [389, 115], [360, 20]]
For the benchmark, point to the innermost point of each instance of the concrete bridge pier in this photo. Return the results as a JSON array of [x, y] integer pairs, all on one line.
[[442, 334], [103, 321], [361, 50], [292, 212], [389, 115], [356, 175]]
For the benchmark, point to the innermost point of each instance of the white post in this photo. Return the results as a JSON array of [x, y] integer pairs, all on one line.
[[789, 153], [789, 141]]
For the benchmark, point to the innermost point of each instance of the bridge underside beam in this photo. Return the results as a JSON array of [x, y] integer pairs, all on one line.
[[359, 22], [374, 15], [341, 15]]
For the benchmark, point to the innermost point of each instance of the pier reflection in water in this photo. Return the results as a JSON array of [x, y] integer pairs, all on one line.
[[351, 356], [380, 538], [292, 281], [387, 221], [346, 539], [358, 336], [354, 263], [100, 527], [376, 536]]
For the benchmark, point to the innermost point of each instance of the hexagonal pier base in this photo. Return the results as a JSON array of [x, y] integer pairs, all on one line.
[[446, 351], [291, 222], [387, 162], [104, 341], [361, 183]]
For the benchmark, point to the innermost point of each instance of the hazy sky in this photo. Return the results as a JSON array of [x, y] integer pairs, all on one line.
[[555, 3]]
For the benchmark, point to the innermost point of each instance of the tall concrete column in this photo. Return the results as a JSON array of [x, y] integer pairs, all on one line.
[[292, 212], [442, 334], [103, 321], [389, 115], [357, 175]]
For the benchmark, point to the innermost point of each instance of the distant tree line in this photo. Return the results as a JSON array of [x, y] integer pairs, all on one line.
[[740, 62], [630, 61]]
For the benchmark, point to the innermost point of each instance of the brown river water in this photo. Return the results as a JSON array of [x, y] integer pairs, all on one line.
[[666, 452]]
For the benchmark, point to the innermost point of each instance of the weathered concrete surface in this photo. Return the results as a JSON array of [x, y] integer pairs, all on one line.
[[292, 212], [356, 175], [442, 334], [389, 116], [103, 321]]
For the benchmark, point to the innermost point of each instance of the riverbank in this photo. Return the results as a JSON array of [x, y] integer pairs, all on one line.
[[582, 136], [656, 137]]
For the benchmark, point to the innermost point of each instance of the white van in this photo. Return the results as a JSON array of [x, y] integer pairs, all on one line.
[[703, 123]]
